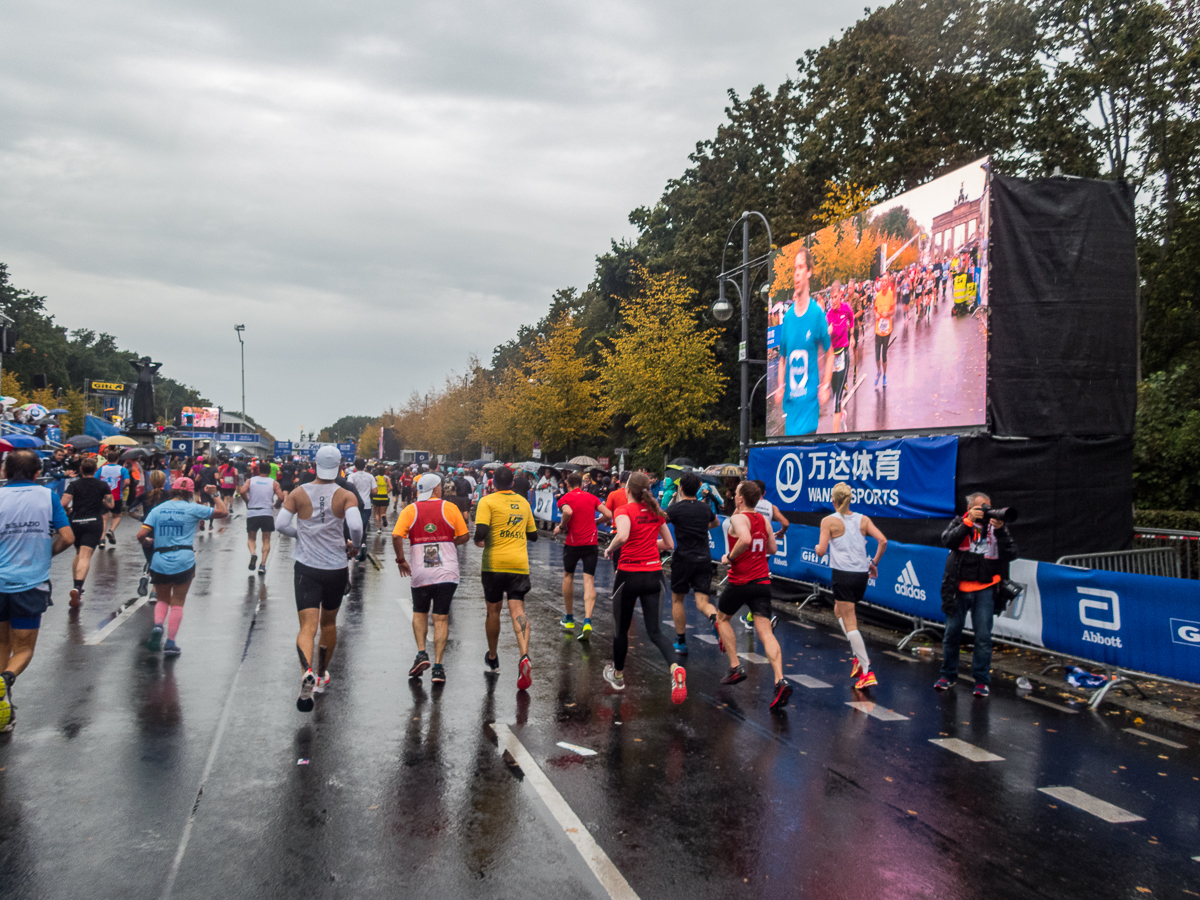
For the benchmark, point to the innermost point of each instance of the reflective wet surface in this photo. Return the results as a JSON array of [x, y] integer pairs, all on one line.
[[130, 775]]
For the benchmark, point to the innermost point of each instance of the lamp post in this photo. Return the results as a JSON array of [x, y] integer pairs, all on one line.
[[239, 329], [722, 311]]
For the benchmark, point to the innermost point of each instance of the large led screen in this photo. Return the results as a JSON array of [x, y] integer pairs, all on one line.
[[201, 417], [878, 323]]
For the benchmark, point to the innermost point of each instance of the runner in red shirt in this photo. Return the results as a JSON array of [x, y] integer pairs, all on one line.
[[642, 534], [751, 542], [614, 501], [579, 510]]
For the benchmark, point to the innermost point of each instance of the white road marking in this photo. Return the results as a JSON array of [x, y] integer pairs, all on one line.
[[875, 711], [900, 656], [968, 751], [1101, 809], [707, 638], [754, 657], [803, 624], [97, 636], [839, 636], [1155, 737], [1050, 704], [808, 681], [597, 860], [574, 748]]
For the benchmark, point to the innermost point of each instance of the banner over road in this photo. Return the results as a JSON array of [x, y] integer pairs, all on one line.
[[903, 478]]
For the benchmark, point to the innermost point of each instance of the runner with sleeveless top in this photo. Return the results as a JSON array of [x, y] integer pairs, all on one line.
[[315, 515], [750, 543], [379, 496], [844, 534], [435, 528], [260, 492], [170, 529], [641, 535]]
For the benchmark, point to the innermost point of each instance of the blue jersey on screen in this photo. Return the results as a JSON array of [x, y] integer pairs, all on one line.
[[801, 340], [174, 524]]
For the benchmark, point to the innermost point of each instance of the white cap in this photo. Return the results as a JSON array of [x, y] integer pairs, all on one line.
[[426, 485], [329, 461]]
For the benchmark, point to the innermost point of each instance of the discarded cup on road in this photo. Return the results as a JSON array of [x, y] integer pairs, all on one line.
[[923, 652], [1024, 684]]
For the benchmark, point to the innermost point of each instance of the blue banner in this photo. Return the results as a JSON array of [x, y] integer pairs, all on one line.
[[283, 448], [183, 445], [347, 449], [904, 478]]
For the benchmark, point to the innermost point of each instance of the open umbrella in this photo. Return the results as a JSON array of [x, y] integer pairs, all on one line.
[[531, 467], [726, 470], [492, 466], [569, 467], [59, 412], [683, 461], [585, 461], [134, 453], [119, 440], [82, 442], [23, 442]]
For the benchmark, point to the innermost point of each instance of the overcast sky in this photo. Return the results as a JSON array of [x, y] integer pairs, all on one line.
[[375, 189]]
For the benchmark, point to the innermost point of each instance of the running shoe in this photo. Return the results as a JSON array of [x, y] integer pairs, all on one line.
[[614, 678], [866, 680], [6, 708], [876, 379], [585, 633], [154, 642], [262, 570], [783, 691], [856, 670], [943, 684], [112, 538], [748, 621], [322, 683], [143, 585], [681, 648], [524, 674], [170, 648], [420, 664], [438, 676], [76, 597], [308, 683], [253, 560], [492, 663], [736, 674], [981, 690], [885, 381], [774, 622], [567, 622], [678, 685]]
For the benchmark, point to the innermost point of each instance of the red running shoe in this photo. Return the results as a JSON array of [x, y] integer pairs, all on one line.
[[678, 685], [783, 691], [856, 670], [865, 681], [524, 674]]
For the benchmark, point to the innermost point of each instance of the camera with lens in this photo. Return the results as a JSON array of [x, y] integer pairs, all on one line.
[[1007, 514]]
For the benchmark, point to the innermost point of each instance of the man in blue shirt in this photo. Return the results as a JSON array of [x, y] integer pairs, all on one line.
[[802, 338], [33, 528], [116, 476]]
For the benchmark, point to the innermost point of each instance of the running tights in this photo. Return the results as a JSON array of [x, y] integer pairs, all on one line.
[[647, 587]]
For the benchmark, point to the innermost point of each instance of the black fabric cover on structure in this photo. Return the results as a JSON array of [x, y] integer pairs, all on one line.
[[1074, 495], [1063, 295]]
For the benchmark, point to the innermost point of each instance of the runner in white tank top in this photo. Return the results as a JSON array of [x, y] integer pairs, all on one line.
[[844, 535], [260, 492], [315, 515]]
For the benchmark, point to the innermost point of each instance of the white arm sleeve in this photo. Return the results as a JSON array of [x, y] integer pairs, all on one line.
[[284, 524], [354, 523]]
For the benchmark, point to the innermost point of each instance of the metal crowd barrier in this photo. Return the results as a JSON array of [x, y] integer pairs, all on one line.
[[1160, 561], [1186, 545]]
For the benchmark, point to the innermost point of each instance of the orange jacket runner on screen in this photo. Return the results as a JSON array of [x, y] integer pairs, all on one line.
[[885, 308]]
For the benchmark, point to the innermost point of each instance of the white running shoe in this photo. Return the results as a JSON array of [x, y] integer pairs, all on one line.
[[308, 683], [322, 683]]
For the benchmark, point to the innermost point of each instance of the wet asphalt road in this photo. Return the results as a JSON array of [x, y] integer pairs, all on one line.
[[130, 776]]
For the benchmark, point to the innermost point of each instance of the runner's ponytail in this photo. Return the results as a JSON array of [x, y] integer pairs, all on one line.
[[638, 490]]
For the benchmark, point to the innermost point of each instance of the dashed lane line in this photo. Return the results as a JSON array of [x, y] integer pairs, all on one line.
[[754, 658], [808, 681], [597, 860], [965, 750], [875, 711], [900, 656], [97, 636], [1154, 737], [707, 638], [1101, 809]]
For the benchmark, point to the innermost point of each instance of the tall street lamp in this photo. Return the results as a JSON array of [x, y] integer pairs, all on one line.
[[722, 309], [239, 329]]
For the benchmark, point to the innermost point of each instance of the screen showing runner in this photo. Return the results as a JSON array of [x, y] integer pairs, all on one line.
[[875, 323]]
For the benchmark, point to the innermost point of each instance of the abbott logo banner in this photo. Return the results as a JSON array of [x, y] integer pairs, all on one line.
[[907, 584], [1108, 605], [1185, 632], [789, 478]]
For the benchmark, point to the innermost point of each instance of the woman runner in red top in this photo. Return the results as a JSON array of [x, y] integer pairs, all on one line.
[[751, 542], [642, 534]]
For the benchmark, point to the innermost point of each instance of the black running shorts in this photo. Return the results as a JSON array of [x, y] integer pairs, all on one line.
[[118, 506], [265, 524], [88, 533], [573, 554], [497, 584], [691, 576], [319, 588], [436, 595], [849, 587], [178, 578], [756, 595]]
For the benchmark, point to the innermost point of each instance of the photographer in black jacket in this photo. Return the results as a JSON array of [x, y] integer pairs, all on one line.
[[980, 548]]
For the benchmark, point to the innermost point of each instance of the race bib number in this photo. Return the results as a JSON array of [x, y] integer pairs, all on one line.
[[885, 326], [839, 361], [432, 556]]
